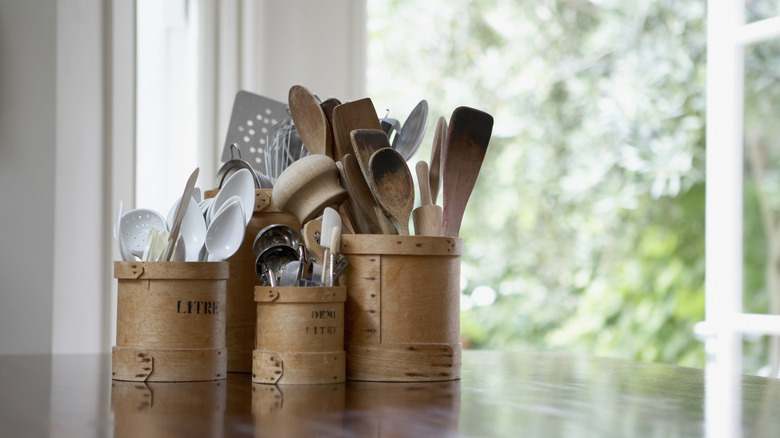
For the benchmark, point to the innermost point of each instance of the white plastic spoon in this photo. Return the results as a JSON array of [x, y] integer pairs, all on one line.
[[193, 229], [226, 233], [239, 184], [180, 251]]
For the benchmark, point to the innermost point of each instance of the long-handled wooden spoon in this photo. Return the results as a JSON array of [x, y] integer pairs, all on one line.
[[393, 188], [358, 114], [427, 217], [434, 173], [467, 141], [310, 120]]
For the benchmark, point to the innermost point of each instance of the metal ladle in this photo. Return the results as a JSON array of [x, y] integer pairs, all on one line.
[[236, 163], [269, 263]]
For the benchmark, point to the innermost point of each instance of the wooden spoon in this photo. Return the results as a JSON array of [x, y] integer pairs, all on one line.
[[310, 121], [439, 138], [358, 114], [327, 107], [393, 188], [427, 217], [358, 190], [467, 141], [365, 142]]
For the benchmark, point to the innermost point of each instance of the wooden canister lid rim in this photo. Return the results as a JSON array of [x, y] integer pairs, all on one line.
[[383, 244], [172, 270]]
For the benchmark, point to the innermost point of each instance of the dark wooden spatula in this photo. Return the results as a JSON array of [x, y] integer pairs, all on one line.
[[464, 150]]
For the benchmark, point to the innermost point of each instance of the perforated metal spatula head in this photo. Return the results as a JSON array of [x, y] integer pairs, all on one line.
[[250, 122]]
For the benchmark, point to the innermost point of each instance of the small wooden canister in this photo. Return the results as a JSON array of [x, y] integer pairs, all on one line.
[[240, 332], [402, 308], [300, 335], [170, 321]]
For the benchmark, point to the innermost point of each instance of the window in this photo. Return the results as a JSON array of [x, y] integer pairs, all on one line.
[[167, 100]]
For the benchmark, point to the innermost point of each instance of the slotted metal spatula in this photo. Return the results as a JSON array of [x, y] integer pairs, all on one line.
[[250, 122]]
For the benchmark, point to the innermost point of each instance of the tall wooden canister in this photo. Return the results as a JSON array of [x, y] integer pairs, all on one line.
[[300, 335], [170, 321], [402, 308], [240, 332]]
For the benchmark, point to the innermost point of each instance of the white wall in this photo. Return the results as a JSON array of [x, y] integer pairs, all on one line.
[[27, 173], [67, 138]]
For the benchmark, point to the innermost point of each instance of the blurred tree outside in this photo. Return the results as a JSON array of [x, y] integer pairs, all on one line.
[[585, 231]]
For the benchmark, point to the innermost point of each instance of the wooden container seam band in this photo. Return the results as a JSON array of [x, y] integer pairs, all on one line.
[[170, 321]]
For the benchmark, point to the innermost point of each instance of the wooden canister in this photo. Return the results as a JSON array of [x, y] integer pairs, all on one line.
[[402, 308], [170, 321], [300, 335], [240, 331]]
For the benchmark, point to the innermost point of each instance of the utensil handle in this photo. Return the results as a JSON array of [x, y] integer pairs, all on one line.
[[422, 179], [180, 211]]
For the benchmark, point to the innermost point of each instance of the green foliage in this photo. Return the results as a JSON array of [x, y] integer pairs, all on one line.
[[587, 220]]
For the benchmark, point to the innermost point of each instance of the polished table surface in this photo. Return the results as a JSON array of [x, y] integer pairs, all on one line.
[[507, 394]]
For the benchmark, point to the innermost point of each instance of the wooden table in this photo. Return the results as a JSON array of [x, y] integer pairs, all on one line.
[[507, 394]]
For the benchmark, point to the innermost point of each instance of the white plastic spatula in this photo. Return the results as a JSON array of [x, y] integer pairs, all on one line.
[[331, 222]]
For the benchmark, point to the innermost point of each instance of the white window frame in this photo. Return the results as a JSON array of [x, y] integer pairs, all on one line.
[[726, 323], [727, 37]]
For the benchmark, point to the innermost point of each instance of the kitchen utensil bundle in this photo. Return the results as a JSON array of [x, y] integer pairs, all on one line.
[[345, 289], [281, 259], [380, 197], [210, 230]]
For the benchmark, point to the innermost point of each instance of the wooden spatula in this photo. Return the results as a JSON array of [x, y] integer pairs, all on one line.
[[358, 114], [434, 172], [467, 141]]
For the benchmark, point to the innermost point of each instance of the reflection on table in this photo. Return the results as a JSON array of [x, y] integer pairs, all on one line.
[[501, 394]]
